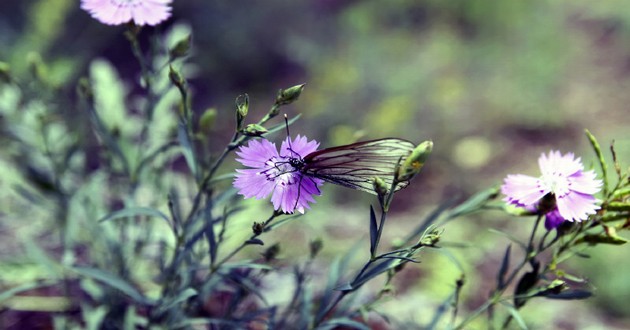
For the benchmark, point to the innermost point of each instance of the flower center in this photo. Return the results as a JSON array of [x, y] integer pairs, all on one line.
[[557, 183], [280, 170]]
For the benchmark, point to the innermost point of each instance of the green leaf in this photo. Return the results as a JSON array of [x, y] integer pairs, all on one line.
[[187, 149], [343, 323], [474, 203], [181, 297], [600, 157], [25, 287], [135, 211], [570, 295], [594, 239], [509, 236], [114, 282], [505, 264], [517, 316], [373, 231]]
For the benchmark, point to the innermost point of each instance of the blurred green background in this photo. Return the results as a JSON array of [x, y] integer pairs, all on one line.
[[492, 83]]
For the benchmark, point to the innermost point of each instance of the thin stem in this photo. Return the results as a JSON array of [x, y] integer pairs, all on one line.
[[216, 266]]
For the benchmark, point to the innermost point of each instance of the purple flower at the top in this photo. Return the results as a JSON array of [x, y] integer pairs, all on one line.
[[563, 182], [276, 173], [141, 12]]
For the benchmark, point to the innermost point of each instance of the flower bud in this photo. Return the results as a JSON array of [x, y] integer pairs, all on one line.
[[207, 119], [258, 228], [289, 95], [84, 89], [254, 130], [414, 162], [5, 72], [176, 78], [380, 187], [181, 48], [242, 108], [315, 247], [38, 68]]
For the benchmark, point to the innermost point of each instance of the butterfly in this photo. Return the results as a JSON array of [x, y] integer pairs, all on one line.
[[356, 165]]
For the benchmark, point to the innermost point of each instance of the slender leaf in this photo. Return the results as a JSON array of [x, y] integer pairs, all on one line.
[[474, 203], [181, 297], [135, 211], [113, 281], [510, 237], [254, 241], [570, 295], [517, 316], [344, 323], [600, 158], [187, 149], [25, 287], [505, 264], [373, 231], [374, 271]]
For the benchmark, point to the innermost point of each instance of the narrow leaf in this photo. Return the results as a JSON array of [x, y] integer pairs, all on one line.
[[135, 211], [373, 231], [474, 203], [517, 316], [571, 295], [187, 149], [254, 241], [600, 157], [113, 281], [505, 264]]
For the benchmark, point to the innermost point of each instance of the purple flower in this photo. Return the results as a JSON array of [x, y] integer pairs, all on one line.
[[141, 12], [563, 192], [275, 173]]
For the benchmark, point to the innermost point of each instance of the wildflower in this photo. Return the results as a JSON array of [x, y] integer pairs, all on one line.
[[115, 12], [563, 192], [277, 174]]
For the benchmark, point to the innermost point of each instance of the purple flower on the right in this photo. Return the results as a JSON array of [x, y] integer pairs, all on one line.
[[564, 191]]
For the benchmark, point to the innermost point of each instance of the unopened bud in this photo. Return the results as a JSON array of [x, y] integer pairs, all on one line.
[[176, 78], [258, 228], [380, 187], [181, 48], [5, 72], [242, 108], [414, 162], [271, 252], [289, 95], [207, 119], [38, 68], [254, 130], [315, 247], [84, 89]]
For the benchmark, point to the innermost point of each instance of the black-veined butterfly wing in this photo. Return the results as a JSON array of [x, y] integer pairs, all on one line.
[[355, 165]]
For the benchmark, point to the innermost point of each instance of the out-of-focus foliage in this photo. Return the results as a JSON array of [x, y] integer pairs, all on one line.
[[492, 83]]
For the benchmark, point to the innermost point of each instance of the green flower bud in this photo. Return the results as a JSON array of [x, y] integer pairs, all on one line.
[[84, 89], [380, 187], [176, 78], [207, 119], [38, 68], [414, 162], [254, 130], [242, 108], [181, 48], [5, 72], [315, 247], [289, 95]]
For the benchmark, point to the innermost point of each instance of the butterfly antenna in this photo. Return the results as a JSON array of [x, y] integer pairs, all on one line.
[[286, 124]]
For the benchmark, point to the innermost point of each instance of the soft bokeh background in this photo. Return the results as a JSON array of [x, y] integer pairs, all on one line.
[[492, 83]]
